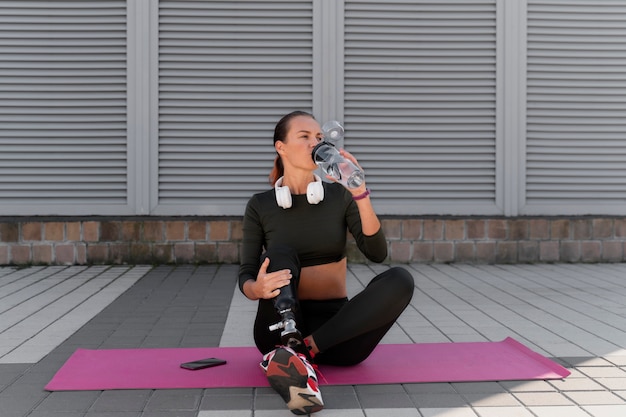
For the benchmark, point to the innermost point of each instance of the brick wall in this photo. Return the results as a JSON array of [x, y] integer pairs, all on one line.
[[25, 241]]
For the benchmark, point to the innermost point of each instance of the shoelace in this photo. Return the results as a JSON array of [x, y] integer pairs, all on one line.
[[302, 357], [316, 368], [319, 373]]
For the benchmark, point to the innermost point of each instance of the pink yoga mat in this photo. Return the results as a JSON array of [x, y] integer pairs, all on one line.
[[388, 364]]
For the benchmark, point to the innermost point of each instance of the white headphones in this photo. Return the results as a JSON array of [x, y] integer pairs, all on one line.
[[314, 192]]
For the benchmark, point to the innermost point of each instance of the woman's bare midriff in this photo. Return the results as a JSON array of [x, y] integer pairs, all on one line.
[[323, 282]]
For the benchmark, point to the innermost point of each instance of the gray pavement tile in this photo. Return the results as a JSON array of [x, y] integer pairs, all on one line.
[[19, 402], [344, 412], [502, 412], [50, 363], [622, 394], [575, 373], [558, 411], [617, 360], [430, 388], [365, 390], [338, 389], [33, 379], [602, 372], [79, 401], [169, 413], [160, 342], [230, 402], [122, 342], [478, 387], [339, 396], [112, 414], [585, 361], [228, 413], [121, 400], [491, 400], [606, 410], [527, 386], [9, 373], [383, 396], [199, 341], [183, 399], [284, 412], [395, 412], [385, 400], [264, 391], [222, 392], [270, 401], [448, 412], [594, 398], [612, 383], [542, 398], [438, 400], [340, 401], [577, 384]]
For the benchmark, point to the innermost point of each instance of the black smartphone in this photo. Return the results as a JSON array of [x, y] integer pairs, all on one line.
[[203, 363]]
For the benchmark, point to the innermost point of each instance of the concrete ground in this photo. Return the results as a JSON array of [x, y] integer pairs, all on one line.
[[572, 313]]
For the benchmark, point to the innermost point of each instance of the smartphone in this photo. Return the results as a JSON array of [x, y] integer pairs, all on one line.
[[203, 363]]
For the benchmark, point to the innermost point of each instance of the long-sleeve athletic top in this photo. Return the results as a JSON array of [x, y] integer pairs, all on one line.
[[316, 231]]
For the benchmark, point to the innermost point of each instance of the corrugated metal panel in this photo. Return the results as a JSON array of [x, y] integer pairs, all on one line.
[[227, 72], [62, 106], [576, 105], [420, 102]]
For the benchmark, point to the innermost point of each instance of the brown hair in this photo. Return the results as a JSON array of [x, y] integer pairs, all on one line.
[[280, 134]]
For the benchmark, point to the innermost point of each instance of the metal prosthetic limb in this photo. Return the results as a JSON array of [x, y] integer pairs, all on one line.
[[290, 335]]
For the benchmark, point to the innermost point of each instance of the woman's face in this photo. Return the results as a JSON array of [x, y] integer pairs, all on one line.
[[303, 134]]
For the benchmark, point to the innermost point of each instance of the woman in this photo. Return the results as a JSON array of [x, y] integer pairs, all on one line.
[[294, 248]]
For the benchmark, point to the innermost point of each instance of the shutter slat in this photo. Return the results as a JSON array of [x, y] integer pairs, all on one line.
[[420, 101], [62, 105], [576, 105], [228, 71]]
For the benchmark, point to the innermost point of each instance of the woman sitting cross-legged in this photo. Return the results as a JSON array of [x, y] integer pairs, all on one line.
[[293, 261]]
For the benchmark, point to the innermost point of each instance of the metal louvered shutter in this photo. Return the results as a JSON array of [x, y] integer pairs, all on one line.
[[576, 107], [227, 72], [420, 103], [63, 140]]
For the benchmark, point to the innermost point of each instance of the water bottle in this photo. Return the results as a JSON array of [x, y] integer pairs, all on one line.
[[334, 133], [328, 158]]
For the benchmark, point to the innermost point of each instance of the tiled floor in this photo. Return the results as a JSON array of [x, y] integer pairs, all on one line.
[[573, 313]]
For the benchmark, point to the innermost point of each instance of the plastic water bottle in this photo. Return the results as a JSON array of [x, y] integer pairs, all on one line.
[[328, 158], [333, 133]]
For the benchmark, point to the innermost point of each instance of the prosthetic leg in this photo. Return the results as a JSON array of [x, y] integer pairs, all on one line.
[[290, 336]]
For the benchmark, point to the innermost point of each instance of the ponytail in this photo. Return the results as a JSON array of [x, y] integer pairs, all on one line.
[[278, 170]]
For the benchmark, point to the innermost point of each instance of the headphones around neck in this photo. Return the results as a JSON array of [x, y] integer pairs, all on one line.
[[314, 192]]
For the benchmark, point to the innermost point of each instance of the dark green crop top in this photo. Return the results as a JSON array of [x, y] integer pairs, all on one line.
[[316, 231]]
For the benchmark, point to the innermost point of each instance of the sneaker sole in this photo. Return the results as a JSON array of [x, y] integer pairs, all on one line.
[[289, 377]]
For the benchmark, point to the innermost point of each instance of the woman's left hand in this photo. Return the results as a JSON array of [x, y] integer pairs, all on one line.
[[361, 188], [347, 155]]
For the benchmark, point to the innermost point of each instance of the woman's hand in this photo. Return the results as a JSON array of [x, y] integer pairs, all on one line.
[[348, 156], [361, 188], [370, 224], [268, 284]]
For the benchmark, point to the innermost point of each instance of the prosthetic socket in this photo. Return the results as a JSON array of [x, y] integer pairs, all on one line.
[[290, 336]]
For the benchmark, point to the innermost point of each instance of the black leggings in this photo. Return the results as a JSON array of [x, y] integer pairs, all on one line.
[[345, 331]]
